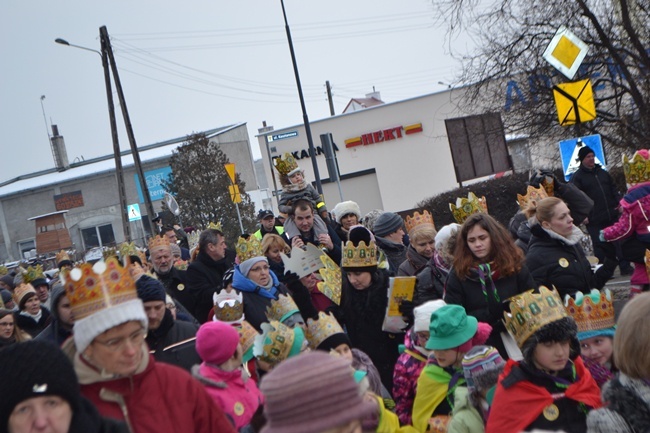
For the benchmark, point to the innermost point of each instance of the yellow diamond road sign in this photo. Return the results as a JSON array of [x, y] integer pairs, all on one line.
[[566, 52], [575, 102], [235, 196]]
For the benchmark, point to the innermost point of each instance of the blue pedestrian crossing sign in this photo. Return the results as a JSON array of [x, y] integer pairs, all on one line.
[[569, 153], [133, 211]]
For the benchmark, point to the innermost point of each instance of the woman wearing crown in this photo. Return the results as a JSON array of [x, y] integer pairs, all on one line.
[[488, 270], [555, 256], [422, 236]]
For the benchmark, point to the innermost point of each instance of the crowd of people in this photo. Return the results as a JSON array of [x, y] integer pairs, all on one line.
[[507, 329]]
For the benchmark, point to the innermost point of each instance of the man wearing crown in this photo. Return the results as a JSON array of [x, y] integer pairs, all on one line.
[[205, 273], [172, 279], [303, 215]]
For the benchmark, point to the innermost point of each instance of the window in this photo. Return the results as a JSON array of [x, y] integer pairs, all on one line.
[[98, 236], [26, 246]]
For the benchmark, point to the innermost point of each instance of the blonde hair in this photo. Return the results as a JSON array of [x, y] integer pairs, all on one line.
[[630, 342], [423, 233], [542, 210], [272, 240]]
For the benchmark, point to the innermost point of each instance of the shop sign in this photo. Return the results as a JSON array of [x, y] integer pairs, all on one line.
[[383, 135]]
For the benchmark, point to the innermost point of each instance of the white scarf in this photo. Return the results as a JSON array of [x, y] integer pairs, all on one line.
[[36, 317]]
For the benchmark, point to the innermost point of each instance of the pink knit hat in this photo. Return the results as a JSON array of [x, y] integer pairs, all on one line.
[[216, 342], [310, 393]]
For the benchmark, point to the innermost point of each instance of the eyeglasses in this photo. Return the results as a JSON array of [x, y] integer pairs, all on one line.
[[117, 344], [7, 324], [260, 268]]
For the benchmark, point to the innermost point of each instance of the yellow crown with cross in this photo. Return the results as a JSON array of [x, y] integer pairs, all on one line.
[[530, 311], [91, 288], [419, 220], [285, 164], [465, 207], [636, 169], [248, 248], [532, 193]]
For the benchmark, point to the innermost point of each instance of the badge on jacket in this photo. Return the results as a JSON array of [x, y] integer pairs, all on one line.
[[564, 262]]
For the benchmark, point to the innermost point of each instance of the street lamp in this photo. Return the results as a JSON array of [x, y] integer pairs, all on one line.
[[119, 173]]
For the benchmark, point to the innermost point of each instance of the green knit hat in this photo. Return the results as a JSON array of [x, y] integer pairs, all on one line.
[[450, 327]]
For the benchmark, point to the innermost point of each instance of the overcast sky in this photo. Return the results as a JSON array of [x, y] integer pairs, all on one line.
[[191, 66]]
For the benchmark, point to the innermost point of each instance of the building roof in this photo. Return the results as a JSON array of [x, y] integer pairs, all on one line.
[[46, 215], [363, 102], [102, 164]]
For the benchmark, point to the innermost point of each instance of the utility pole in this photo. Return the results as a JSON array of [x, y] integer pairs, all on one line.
[[329, 97], [129, 129], [310, 142], [119, 173]]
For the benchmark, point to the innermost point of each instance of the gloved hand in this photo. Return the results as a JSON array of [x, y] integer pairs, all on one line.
[[291, 278], [406, 308], [300, 295]]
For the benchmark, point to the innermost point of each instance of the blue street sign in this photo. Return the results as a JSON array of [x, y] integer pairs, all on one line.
[[154, 179], [569, 153], [133, 211], [282, 136]]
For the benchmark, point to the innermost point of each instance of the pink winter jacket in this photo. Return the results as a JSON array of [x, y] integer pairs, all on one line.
[[405, 377], [635, 217], [236, 394]]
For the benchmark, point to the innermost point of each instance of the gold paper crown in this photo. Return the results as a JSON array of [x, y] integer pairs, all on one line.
[[21, 291], [32, 273], [420, 220], [93, 288], [109, 252], [278, 342], [3, 270], [332, 279], [281, 309], [247, 335], [285, 164], [465, 207], [61, 256], [158, 241], [321, 329], [248, 248], [128, 249], [213, 226], [637, 169], [360, 256], [193, 239], [228, 307], [592, 312], [532, 193], [531, 311]]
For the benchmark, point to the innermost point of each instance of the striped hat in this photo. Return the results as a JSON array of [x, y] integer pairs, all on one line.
[[482, 366]]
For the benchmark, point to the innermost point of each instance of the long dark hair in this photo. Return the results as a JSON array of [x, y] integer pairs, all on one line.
[[504, 254]]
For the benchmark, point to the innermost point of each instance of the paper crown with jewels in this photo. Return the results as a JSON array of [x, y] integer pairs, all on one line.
[[215, 226], [21, 291], [278, 342], [637, 168], [465, 207], [131, 249], [228, 307], [532, 193], [32, 274], [592, 312], [93, 288], [247, 336], [360, 256], [109, 252], [286, 164], [530, 311], [193, 239], [281, 309], [248, 248], [321, 329], [158, 241], [62, 256], [332, 279], [419, 220]]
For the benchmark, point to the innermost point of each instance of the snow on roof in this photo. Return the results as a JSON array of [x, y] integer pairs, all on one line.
[[47, 214], [95, 166]]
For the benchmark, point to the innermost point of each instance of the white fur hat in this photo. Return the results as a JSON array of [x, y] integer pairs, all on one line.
[[423, 314], [445, 233], [344, 208]]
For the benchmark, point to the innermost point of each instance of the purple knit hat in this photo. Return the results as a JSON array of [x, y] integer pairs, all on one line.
[[310, 393]]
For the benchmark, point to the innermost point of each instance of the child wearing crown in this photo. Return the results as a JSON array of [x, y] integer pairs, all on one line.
[[550, 388], [294, 188], [633, 226]]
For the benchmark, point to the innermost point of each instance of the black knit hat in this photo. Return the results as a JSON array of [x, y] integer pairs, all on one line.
[[584, 151], [334, 341], [150, 289], [35, 369], [564, 329]]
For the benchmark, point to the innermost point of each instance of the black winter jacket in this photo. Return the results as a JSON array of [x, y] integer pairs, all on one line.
[[600, 187], [30, 326], [430, 284], [203, 278], [174, 342], [560, 262], [395, 253], [486, 308]]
